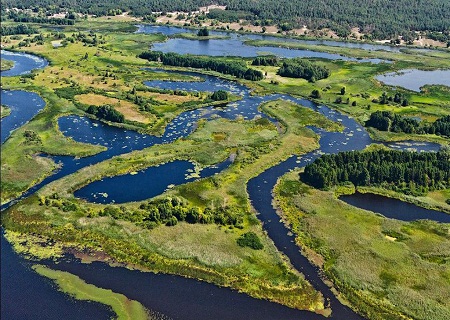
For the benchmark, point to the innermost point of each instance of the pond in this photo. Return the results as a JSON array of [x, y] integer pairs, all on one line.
[[414, 80], [394, 208]]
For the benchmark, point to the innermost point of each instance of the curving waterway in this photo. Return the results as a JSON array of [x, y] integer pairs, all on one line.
[[163, 292], [23, 63]]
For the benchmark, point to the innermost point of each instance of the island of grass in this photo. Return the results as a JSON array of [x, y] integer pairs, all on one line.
[[123, 307], [101, 67], [5, 111], [6, 64], [193, 36]]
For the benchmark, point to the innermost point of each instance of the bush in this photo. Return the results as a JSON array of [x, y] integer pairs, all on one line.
[[315, 94], [251, 240], [219, 95]]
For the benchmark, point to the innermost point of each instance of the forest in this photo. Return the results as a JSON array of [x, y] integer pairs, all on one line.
[[379, 19], [407, 172], [299, 68], [390, 121], [18, 29], [237, 69]]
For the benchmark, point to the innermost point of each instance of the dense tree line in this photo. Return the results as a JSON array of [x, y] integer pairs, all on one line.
[[107, 113], [170, 211], [266, 61], [164, 210], [235, 68], [18, 29], [409, 172], [390, 121], [25, 18], [380, 19], [107, 7], [299, 68]]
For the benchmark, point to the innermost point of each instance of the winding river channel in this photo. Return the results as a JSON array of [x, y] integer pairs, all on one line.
[[158, 292]]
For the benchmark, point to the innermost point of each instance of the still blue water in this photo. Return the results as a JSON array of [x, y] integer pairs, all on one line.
[[413, 79]]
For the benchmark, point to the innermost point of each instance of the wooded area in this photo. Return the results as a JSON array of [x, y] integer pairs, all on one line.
[[408, 172], [380, 19], [390, 121], [237, 69]]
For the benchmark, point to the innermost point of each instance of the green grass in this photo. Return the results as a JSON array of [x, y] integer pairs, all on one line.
[[385, 278], [123, 307], [6, 64], [5, 111]]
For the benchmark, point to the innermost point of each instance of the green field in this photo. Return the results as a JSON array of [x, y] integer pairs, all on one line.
[[387, 268]]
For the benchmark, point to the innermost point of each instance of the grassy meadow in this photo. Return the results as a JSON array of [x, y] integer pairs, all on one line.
[[387, 268]]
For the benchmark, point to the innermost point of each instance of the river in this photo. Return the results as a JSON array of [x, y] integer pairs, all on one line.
[[118, 141]]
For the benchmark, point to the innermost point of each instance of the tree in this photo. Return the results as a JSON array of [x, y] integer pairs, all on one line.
[[315, 94], [203, 32], [251, 240], [219, 95]]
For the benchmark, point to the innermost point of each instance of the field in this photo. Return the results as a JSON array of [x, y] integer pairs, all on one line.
[[388, 268], [220, 259]]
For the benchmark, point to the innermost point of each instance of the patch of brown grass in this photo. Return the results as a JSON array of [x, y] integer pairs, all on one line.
[[171, 98], [128, 109]]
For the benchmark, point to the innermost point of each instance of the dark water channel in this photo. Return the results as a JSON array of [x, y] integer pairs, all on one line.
[[24, 293], [27, 295], [393, 208], [175, 296]]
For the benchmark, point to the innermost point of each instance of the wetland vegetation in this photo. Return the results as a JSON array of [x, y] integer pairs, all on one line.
[[207, 229]]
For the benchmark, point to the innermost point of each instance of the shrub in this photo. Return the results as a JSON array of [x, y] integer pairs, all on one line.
[[250, 239]]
